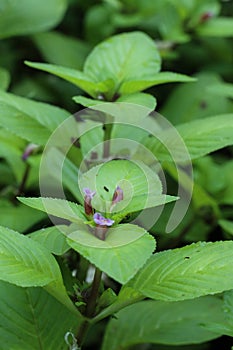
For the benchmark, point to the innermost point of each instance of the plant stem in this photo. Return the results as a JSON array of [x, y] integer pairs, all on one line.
[[107, 136], [90, 308], [115, 307]]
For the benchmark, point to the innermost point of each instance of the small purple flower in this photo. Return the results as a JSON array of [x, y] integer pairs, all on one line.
[[102, 221], [28, 150], [89, 194], [117, 195]]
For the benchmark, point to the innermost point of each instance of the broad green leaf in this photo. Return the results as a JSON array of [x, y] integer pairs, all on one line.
[[45, 114], [221, 89], [76, 77], [123, 57], [27, 319], [138, 98], [12, 154], [186, 273], [61, 49], [52, 238], [135, 84], [18, 218], [23, 125], [225, 325], [201, 137], [226, 226], [141, 186], [25, 262], [29, 16], [4, 79], [57, 207], [221, 26], [125, 249], [196, 100], [173, 323], [87, 102]]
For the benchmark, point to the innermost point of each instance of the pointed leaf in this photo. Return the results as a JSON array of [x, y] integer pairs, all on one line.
[[122, 58], [201, 137], [57, 207], [29, 321], [25, 262], [176, 323], [52, 238], [135, 85], [186, 273], [125, 249], [49, 116], [23, 125], [76, 77]]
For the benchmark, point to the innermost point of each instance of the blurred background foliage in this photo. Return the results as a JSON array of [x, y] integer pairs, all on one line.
[[194, 37]]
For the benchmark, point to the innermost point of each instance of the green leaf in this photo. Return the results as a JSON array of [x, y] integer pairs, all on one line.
[[221, 89], [87, 102], [226, 226], [201, 137], [57, 207], [4, 79], [25, 262], [123, 57], [27, 319], [196, 100], [61, 49], [135, 85], [125, 249], [186, 273], [52, 238], [49, 116], [138, 98], [139, 183], [176, 323], [221, 26], [23, 125], [226, 197], [76, 77], [18, 218], [29, 16], [56, 165]]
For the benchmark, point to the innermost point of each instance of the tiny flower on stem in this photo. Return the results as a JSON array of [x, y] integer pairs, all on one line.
[[117, 195], [102, 225], [29, 150], [102, 221], [89, 194]]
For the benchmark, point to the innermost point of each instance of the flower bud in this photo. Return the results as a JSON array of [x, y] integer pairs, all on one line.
[[87, 200]]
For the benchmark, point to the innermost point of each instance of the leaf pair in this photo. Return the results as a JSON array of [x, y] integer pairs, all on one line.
[[121, 65]]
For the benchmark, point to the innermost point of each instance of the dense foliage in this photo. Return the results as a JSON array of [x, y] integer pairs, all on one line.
[[116, 174]]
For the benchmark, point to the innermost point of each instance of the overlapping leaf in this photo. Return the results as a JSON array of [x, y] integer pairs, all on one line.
[[186, 273], [173, 323], [125, 249]]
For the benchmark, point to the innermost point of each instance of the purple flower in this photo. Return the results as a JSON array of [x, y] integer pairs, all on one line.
[[117, 195], [28, 150], [89, 194], [101, 220]]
